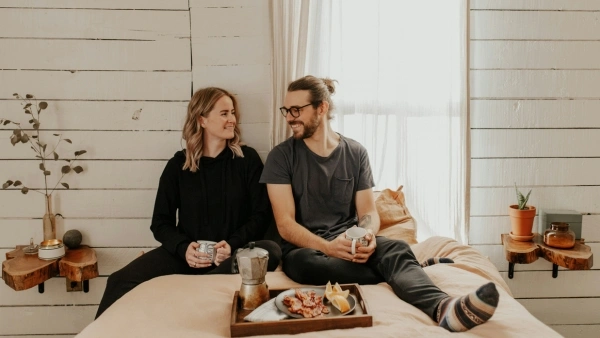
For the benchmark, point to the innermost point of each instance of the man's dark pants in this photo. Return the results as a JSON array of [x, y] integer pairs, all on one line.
[[392, 262]]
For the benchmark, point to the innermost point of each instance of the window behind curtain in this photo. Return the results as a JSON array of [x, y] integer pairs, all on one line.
[[401, 71]]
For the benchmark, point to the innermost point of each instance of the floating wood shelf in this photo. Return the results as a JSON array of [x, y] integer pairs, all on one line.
[[21, 271], [580, 257]]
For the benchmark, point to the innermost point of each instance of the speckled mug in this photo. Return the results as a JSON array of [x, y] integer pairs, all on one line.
[[208, 247], [357, 235]]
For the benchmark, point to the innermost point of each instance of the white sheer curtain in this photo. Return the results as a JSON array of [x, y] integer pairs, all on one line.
[[290, 27], [402, 92]]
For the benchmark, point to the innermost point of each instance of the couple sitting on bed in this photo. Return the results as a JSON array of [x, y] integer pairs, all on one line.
[[217, 189]]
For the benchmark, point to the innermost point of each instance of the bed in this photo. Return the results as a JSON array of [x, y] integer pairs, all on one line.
[[200, 306], [183, 306]]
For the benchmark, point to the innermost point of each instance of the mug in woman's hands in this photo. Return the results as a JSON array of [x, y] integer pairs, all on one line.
[[208, 247]]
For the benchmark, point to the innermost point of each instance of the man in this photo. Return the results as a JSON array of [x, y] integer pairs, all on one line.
[[320, 184]]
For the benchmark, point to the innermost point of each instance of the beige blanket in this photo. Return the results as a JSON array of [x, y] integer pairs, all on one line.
[[200, 306]]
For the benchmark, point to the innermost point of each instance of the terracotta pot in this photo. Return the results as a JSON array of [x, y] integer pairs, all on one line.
[[521, 221]]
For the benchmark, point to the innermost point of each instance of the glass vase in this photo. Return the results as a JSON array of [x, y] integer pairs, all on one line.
[[49, 220]]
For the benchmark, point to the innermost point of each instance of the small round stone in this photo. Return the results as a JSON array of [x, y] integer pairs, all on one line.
[[72, 239]]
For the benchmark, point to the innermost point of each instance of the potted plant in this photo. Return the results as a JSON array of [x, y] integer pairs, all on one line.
[[44, 154], [521, 217]]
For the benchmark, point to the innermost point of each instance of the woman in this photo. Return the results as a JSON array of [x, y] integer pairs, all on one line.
[[211, 191]]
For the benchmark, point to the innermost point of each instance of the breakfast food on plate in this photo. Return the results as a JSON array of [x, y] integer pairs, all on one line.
[[337, 296], [307, 304]]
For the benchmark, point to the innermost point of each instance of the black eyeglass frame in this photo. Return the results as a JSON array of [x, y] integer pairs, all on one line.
[[284, 111]]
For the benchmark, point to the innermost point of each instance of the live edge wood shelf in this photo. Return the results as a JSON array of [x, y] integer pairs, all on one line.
[[580, 257], [21, 271]]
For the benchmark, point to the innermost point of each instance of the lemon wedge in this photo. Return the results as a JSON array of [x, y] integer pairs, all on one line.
[[337, 296], [328, 290], [337, 290], [341, 303]]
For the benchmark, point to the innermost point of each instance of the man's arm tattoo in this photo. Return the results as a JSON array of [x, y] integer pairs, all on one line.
[[364, 221]]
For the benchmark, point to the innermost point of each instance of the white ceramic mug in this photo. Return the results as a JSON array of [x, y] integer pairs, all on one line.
[[208, 247], [357, 234]]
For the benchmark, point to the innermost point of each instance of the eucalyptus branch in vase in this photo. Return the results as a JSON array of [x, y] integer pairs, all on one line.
[[33, 138]]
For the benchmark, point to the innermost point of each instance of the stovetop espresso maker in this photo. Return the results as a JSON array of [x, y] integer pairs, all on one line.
[[252, 264]]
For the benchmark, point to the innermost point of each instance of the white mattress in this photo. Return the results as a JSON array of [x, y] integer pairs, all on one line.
[[200, 306]]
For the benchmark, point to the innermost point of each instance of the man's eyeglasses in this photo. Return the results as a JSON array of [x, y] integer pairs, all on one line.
[[295, 111]]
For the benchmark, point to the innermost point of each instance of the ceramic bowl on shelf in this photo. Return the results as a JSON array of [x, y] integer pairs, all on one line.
[[51, 243], [51, 249]]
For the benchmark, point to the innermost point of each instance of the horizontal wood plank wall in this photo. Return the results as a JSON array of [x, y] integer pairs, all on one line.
[[231, 48], [95, 4], [535, 79], [98, 64]]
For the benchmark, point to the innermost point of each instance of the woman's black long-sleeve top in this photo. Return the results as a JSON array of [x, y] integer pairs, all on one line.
[[222, 200]]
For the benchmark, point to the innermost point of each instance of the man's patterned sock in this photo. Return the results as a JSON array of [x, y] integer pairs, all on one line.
[[435, 260], [457, 314]]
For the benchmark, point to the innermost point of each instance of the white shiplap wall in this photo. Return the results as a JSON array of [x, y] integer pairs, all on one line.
[[96, 63], [535, 120]]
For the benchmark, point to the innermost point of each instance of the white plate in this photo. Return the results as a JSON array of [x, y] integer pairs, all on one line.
[[320, 291]]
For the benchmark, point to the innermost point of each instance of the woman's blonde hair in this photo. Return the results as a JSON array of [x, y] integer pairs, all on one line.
[[201, 103]]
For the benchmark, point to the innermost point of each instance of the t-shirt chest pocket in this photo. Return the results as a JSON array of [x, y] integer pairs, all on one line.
[[342, 189]]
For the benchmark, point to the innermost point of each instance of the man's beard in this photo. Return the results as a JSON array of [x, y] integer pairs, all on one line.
[[308, 129]]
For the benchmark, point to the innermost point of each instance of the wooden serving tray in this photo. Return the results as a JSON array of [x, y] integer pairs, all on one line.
[[360, 317]]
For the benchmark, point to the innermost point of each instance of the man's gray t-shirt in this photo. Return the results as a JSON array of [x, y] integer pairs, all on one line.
[[324, 188]]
